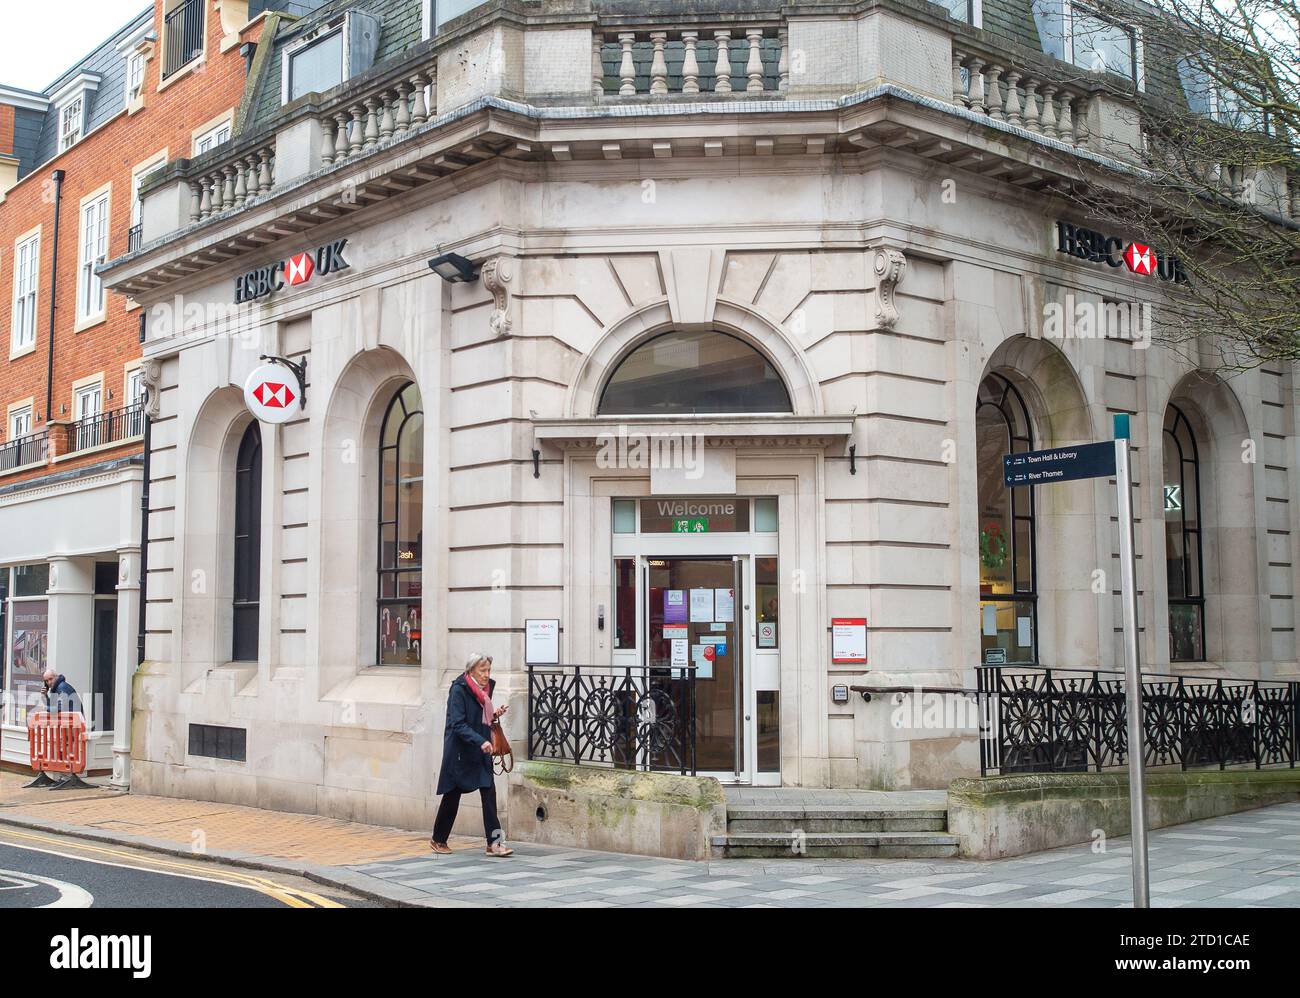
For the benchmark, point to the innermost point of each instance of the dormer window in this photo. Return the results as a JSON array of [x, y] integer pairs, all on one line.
[[439, 12], [134, 76], [329, 55], [72, 118], [967, 11], [1101, 44], [1225, 103], [72, 104]]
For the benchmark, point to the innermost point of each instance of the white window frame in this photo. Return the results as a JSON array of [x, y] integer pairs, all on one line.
[[133, 392], [74, 111], [1068, 9], [27, 280], [134, 76], [21, 416], [138, 174], [429, 8], [339, 27], [213, 132], [92, 250], [91, 387]]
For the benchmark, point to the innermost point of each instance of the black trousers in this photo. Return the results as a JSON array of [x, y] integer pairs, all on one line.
[[451, 804]]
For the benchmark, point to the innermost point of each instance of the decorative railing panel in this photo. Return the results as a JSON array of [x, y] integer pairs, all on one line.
[[1028, 96], [22, 451], [626, 718], [719, 60], [107, 427], [1071, 721], [183, 34]]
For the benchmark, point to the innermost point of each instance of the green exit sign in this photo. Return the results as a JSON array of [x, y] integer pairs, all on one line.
[[696, 525]]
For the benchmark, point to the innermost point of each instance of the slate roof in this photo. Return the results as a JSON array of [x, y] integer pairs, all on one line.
[[36, 135]]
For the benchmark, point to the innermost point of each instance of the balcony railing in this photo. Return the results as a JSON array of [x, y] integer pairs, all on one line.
[[109, 427], [134, 237], [1076, 720], [720, 60], [22, 451], [627, 718], [183, 36]]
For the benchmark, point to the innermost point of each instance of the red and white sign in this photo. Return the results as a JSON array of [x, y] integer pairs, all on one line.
[[1140, 258], [272, 394], [849, 640], [298, 269]]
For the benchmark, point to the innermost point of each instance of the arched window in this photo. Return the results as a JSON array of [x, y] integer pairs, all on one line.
[[401, 519], [248, 544], [698, 372], [1008, 573], [1183, 555]]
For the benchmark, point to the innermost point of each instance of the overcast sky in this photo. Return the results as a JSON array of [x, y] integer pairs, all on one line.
[[43, 38]]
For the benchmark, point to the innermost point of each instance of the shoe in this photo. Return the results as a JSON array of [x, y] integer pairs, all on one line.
[[499, 850], [441, 848]]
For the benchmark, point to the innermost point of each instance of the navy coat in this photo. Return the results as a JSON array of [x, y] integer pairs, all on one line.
[[465, 766], [62, 697]]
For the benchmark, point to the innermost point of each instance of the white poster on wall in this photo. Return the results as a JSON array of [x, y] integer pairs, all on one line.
[[701, 606], [542, 642]]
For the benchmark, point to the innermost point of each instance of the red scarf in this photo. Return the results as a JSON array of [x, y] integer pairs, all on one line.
[[481, 695]]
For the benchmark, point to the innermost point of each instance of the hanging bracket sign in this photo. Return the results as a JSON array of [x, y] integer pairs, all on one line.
[[274, 394], [1059, 464]]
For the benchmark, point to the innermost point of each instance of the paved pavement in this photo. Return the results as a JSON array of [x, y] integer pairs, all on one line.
[[1244, 860]]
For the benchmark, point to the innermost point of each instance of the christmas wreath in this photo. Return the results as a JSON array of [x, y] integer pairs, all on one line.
[[993, 546]]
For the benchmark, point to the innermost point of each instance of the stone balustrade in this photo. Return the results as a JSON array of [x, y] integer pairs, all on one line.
[[662, 60], [231, 185], [1021, 95], [357, 127]]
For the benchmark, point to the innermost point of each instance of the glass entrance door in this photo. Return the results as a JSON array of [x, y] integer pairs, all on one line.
[[692, 612]]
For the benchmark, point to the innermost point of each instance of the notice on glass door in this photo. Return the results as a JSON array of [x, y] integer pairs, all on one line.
[[674, 606], [680, 657], [724, 605], [701, 606]]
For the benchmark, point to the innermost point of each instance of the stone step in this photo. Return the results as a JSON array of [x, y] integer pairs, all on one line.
[[835, 845], [775, 820]]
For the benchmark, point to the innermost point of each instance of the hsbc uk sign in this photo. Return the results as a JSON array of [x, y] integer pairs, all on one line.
[[1139, 258], [298, 269]]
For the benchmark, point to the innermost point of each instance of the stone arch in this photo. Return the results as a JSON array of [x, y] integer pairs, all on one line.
[[1236, 605], [206, 584], [349, 511], [741, 321], [1068, 535]]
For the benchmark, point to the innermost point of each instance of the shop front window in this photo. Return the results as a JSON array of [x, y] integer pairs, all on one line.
[[1008, 576], [26, 625], [401, 529], [1183, 550]]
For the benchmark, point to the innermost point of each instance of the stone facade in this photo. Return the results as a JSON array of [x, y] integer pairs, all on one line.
[[884, 251]]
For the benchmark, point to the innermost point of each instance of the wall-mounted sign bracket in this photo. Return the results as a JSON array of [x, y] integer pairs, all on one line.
[[299, 372]]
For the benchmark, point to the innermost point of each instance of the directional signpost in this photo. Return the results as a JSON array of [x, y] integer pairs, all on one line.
[[1104, 460]]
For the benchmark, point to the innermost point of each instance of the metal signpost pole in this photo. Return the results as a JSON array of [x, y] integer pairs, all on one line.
[[1132, 672]]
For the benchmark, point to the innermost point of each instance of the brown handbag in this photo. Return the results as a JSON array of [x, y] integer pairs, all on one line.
[[501, 750]]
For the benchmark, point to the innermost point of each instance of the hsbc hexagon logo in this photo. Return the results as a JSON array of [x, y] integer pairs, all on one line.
[[1088, 244], [1140, 258], [298, 269], [271, 394]]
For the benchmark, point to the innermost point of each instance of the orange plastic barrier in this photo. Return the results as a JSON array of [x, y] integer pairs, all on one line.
[[57, 742]]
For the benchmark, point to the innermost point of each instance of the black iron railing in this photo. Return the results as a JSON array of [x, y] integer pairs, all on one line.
[[31, 449], [183, 36], [1075, 720], [134, 238], [107, 427], [628, 718]]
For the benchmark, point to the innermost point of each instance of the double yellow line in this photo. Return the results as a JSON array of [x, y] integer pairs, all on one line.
[[291, 897]]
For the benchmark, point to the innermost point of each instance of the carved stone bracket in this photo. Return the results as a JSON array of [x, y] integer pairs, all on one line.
[[497, 274], [890, 267], [152, 371]]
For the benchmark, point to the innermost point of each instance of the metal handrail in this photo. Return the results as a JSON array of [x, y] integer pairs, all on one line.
[[30, 449]]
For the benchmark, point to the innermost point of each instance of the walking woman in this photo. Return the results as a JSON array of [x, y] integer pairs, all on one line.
[[467, 754]]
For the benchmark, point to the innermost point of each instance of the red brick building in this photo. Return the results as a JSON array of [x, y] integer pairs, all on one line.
[[167, 85]]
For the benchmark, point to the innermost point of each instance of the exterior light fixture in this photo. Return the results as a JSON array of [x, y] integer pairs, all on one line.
[[454, 268]]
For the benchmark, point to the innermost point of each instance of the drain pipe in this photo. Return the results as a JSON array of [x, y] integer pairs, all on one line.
[[54, 294]]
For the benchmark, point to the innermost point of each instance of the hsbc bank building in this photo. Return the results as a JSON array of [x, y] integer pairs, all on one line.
[[651, 330]]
